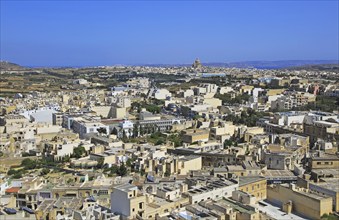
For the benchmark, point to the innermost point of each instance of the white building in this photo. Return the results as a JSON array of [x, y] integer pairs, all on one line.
[[161, 94], [41, 114], [80, 81], [84, 127], [287, 118], [255, 93], [123, 102], [61, 149], [127, 201], [126, 128], [226, 89], [187, 93]]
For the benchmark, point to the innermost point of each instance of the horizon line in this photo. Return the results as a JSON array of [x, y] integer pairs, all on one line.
[[331, 61]]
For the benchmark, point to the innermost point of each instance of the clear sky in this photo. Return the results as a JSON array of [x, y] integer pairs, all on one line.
[[85, 33]]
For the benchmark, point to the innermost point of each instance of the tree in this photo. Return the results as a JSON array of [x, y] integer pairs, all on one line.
[[69, 181], [158, 101], [25, 154], [324, 216], [79, 152], [152, 108], [167, 173], [29, 164], [122, 171], [135, 131], [156, 138], [227, 98], [249, 117], [136, 106], [129, 162], [159, 142], [185, 110], [176, 139], [114, 169], [100, 162], [124, 136], [228, 143], [17, 176], [196, 117], [45, 171], [11, 172], [66, 159]]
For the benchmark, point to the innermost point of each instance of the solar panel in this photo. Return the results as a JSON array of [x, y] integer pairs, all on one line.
[[10, 211], [26, 209]]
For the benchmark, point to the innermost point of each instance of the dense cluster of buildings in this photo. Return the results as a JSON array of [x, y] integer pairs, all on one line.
[[142, 151]]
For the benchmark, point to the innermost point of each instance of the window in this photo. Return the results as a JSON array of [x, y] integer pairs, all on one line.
[[318, 163], [133, 210], [140, 205]]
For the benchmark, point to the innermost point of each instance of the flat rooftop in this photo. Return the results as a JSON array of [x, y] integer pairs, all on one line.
[[278, 173], [190, 157], [326, 157], [244, 180], [126, 187], [326, 172], [332, 124], [292, 113], [211, 186], [14, 117], [311, 195], [275, 211], [237, 206], [329, 184]]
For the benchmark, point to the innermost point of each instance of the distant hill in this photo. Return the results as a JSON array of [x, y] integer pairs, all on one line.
[[5, 65], [318, 67], [280, 64]]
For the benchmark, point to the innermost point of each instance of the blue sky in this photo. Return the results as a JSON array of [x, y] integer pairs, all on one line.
[[75, 33]]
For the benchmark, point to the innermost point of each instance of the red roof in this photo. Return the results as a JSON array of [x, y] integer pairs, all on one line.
[[13, 190]]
